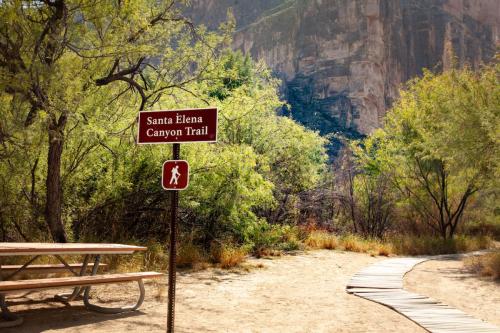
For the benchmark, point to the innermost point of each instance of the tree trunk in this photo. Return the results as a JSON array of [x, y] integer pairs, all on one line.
[[277, 213], [53, 207]]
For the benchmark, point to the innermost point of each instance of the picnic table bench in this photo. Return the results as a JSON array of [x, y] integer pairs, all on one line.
[[84, 274]]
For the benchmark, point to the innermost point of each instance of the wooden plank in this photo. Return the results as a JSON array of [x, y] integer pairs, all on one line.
[[383, 283], [52, 268], [16, 249], [36, 284]]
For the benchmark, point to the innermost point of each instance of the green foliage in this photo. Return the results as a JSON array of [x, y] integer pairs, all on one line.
[[76, 76], [264, 238], [226, 195], [290, 155], [371, 197], [237, 71], [440, 145], [110, 185], [452, 117]]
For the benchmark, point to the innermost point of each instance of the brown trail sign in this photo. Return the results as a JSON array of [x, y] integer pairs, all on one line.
[[175, 175], [176, 126]]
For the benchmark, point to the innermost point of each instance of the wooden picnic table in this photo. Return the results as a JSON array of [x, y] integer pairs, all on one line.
[[84, 274], [22, 249]]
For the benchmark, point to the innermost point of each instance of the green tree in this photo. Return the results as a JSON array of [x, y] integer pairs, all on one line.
[[64, 61], [234, 184], [441, 143], [261, 158], [290, 156], [237, 70], [364, 188]]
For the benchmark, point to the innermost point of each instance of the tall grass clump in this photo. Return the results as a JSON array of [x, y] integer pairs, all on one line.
[[319, 239], [190, 255], [227, 256], [156, 257], [429, 245], [384, 249], [354, 243], [485, 265]]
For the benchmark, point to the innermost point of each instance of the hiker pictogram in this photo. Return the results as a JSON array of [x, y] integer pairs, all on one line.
[[175, 175]]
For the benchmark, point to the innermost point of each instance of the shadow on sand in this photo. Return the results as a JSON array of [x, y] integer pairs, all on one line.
[[55, 315]]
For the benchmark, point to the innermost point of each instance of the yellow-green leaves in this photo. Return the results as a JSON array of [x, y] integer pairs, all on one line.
[[440, 144]]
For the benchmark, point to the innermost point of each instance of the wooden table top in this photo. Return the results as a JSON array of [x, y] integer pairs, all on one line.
[[20, 249]]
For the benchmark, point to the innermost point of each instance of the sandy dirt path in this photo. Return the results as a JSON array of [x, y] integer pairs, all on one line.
[[300, 293], [449, 282]]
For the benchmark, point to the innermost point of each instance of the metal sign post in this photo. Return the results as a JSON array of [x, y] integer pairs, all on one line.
[[174, 205], [176, 126]]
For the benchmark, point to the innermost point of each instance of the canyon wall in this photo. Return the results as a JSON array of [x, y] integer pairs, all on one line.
[[343, 61]]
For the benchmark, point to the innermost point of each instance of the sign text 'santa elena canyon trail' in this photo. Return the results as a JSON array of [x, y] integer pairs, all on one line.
[[178, 126]]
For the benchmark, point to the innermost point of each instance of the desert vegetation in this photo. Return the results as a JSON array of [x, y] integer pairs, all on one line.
[[72, 81], [487, 265]]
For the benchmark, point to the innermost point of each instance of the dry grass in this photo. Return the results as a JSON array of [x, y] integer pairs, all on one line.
[[490, 229], [354, 244], [267, 252], [485, 265], [189, 255], [385, 249], [156, 257], [427, 245], [372, 246], [161, 291], [322, 240], [227, 256], [319, 239]]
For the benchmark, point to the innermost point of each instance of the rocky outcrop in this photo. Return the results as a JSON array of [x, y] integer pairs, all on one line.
[[343, 61]]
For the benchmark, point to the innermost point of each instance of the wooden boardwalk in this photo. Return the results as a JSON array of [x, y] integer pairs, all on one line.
[[382, 282]]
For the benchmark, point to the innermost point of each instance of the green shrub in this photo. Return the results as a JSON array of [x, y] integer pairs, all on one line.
[[265, 238]]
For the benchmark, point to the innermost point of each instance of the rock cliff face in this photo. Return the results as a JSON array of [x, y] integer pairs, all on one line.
[[343, 61]]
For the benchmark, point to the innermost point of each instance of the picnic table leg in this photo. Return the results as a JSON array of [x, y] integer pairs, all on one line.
[[66, 298], [101, 309], [11, 320]]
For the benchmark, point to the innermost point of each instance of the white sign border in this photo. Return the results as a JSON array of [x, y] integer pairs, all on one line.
[[162, 173], [175, 110]]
